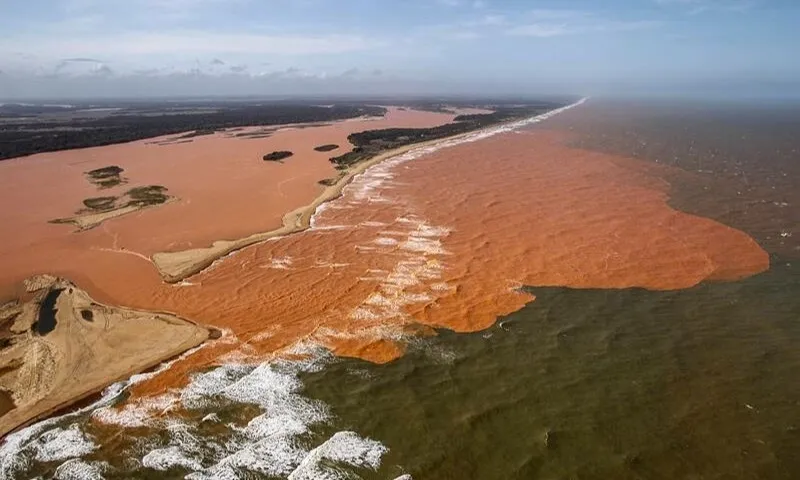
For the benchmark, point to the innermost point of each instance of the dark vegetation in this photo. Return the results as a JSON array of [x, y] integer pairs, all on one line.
[[149, 195], [372, 142], [106, 177], [100, 203], [277, 156], [28, 130], [327, 182], [138, 197], [6, 335], [326, 148]]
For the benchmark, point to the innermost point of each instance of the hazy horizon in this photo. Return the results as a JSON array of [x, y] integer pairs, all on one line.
[[86, 49]]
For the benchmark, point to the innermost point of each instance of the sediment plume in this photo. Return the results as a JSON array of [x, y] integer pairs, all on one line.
[[436, 237]]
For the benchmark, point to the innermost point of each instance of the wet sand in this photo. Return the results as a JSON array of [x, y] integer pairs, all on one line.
[[445, 240]]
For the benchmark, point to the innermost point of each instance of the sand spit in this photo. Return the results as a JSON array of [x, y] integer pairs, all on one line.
[[224, 190], [60, 346], [88, 219], [177, 266]]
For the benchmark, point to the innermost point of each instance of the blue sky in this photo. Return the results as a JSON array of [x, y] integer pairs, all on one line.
[[169, 47]]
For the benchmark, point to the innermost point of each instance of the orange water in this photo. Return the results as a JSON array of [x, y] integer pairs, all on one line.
[[444, 240]]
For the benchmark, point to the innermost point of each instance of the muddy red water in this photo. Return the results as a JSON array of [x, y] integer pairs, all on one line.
[[442, 240]]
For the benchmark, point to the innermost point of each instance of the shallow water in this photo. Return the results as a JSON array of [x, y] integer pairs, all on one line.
[[597, 378]]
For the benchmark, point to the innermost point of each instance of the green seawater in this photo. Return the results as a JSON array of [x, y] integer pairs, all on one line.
[[593, 384]]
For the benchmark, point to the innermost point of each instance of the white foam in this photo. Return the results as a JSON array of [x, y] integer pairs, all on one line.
[[163, 459], [280, 263], [342, 447], [386, 241], [61, 444], [80, 470], [321, 264]]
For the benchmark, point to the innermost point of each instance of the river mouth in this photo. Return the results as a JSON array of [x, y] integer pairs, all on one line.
[[516, 307], [593, 384]]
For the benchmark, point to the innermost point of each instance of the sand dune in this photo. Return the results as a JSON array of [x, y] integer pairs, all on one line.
[[61, 346]]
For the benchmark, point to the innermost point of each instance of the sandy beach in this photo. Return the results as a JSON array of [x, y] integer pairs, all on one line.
[[60, 346]]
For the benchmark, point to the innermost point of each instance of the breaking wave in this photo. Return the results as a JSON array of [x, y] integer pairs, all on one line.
[[201, 431]]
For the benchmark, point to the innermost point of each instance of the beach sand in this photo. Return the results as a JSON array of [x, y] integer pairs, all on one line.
[[60, 346]]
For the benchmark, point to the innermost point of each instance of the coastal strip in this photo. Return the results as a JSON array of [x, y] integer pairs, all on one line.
[[177, 266], [61, 346]]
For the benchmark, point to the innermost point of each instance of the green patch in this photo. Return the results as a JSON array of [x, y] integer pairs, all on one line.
[[105, 172]]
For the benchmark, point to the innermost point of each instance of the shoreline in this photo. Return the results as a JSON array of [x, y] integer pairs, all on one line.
[[174, 267], [66, 407], [50, 371]]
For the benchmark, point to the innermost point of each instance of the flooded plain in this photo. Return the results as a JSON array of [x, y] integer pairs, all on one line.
[[520, 305]]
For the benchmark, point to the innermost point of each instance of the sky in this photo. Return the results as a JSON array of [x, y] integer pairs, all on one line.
[[151, 48]]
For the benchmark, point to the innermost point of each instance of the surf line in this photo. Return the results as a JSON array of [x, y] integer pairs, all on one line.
[[175, 267]]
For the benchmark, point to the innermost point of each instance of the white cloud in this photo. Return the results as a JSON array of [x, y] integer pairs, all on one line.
[[558, 14], [158, 5], [182, 43], [545, 23], [541, 30], [695, 7], [492, 20]]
